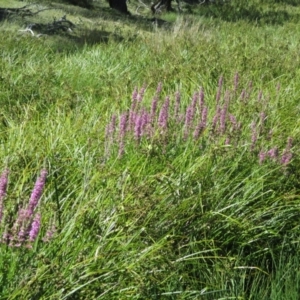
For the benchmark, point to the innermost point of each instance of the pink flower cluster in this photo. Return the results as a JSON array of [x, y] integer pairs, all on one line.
[[168, 120], [25, 229]]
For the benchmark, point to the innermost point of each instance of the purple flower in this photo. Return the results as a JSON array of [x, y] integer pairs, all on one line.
[[35, 227], [218, 96], [223, 119], [138, 128], [194, 101], [49, 234], [204, 116], [188, 120], [287, 154], [216, 118], [233, 121], [123, 124], [201, 99], [286, 157], [289, 143], [236, 81], [110, 128], [273, 153], [262, 156], [263, 118], [37, 191], [227, 141], [202, 124], [164, 114], [153, 109], [253, 136], [259, 97], [20, 228], [141, 93], [3, 186], [243, 95]]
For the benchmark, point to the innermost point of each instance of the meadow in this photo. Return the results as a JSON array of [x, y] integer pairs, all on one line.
[[151, 159]]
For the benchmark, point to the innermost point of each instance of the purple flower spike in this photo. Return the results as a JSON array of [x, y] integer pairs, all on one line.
[[35, 227], [223, 114], [286, 157], [204, 116], [123, 124], [164, 114], [253, 136], [153, 109], [37, 191], [138, 128], [201, 99], [273, 153], [236, 81], [259, 97], [218, 96], [3, 186], [262, 156], [49, 234]]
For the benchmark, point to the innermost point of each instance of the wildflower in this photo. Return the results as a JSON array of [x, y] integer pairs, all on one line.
[[233, 121], [253, 136], [236, 81], [204, 116], [216, 118], [3, 186], [243, 95], [201, 99], [273, 153], [153, 109], [287, 154], [188, 120], [123, 124], [263, 118], [50, 232], [140, 95], [138, 128], [35, 227], [259, 97], [164, 114], [227, 141], [223, 119], [37, 191], [218, 96], [110, 128], [286, 157], [262, 156]]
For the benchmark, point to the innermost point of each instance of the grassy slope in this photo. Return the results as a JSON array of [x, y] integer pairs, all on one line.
[[168, 220]]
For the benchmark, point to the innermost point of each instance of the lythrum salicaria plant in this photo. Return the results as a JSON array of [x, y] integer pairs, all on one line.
[[218, 122], [24, 230]]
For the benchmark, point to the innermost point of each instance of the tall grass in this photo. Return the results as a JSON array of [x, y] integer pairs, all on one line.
[[172, 157]]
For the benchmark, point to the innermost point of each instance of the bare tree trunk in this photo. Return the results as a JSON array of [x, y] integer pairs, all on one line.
[[119, 5]]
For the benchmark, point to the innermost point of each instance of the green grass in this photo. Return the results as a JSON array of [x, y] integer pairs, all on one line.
[[173, 217]]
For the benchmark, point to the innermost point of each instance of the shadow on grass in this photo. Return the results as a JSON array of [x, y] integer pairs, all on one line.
[[249, 13]]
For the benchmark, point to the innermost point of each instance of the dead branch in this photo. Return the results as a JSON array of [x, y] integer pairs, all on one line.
[[51, 28], [24, 11]]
